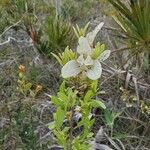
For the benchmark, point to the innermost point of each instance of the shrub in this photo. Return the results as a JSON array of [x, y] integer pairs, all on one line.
[[77, 94], [134, 19], [57, 34]]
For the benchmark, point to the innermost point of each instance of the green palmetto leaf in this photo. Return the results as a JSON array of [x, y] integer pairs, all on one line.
[[133, 17]]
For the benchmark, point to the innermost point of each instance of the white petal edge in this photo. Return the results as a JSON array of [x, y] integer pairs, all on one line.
[[70, 69], [91, 35], [104, 55], [84, 46], [95, 72]]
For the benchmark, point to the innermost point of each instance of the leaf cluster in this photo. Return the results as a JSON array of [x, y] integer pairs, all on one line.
[[57, 34], [133, 17], [81, 31], [69, 104], [66, 56]]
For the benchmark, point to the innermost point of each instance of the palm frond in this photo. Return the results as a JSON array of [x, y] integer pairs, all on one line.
[[134, 19]]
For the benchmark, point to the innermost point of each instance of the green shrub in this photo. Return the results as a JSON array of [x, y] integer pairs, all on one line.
[[76, 98], [134, 19], [57, 34]]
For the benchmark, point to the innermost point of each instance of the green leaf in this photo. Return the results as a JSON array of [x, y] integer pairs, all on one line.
[[64, 98], [57, 101], [94, 86], [98, 50], [62, 138], [90, 135], [81, 31], [51, 125], [32, 93], [109, 118], [62, 87], [72, 96], [58, 58], [28, 86], [88, 96], [66, 56], [66, 129], [59, 117], [97, 103]]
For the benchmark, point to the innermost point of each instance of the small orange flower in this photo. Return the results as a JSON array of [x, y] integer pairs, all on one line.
[[21, 68], [38, 88]]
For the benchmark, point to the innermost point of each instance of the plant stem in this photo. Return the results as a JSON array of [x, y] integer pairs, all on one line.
[[71, 129], [111, 134]]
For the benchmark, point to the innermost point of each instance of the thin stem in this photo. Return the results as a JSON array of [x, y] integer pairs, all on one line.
[[71, 129], [111, 132]]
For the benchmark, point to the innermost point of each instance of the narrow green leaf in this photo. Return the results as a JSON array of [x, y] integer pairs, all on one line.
[[59, 117], [97, 103]]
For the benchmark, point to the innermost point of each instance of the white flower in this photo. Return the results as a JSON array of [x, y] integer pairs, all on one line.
[[70, 69], [84, 63], [91, 35], [84, 47], [95, 71]]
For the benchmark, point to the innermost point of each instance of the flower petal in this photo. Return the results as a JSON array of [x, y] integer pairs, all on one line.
[[104, 55], [88, 61], [95, 72], [91, 35], [80, 60], [83, 47], [70, 69]]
